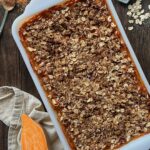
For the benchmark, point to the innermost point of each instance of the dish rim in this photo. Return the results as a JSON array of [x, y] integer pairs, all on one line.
[[33, 9]]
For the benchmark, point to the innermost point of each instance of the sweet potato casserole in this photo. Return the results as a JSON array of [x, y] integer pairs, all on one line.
[[87, 73]]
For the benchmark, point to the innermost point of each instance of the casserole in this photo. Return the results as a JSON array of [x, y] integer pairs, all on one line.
[[16, 27]]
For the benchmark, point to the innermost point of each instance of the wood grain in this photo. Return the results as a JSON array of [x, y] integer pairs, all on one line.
[[13, 71]]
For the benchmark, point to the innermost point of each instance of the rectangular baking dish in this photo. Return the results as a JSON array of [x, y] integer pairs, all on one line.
[[33, 8]]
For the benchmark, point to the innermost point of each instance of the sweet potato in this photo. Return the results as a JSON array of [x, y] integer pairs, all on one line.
[[32, 136]]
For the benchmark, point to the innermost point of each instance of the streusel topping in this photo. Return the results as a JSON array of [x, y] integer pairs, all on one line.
[[87, 73]]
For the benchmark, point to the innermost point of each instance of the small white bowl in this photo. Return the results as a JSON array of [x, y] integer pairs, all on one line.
[[124, 1]]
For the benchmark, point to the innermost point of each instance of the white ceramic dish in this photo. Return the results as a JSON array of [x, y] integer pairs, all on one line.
[[36, 6]]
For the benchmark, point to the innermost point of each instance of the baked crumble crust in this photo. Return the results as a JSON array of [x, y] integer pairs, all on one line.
[[88, 75]]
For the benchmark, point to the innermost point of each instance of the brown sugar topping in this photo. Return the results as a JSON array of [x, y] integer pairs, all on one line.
[[88, 75]]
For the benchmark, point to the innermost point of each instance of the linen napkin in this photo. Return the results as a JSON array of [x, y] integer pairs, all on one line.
[[14, 103]]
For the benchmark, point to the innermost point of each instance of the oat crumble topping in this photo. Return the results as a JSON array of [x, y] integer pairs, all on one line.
[[88, 74]]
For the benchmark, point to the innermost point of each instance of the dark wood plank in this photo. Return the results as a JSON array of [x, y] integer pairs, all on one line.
[[3, 136], [13, 71]]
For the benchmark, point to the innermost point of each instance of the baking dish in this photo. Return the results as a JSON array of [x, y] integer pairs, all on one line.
[[38, 6]]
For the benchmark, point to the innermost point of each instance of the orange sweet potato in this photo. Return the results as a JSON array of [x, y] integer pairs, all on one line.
[[32, 136]]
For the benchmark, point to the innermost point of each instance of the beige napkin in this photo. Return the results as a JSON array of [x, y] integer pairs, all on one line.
[[13, 103]]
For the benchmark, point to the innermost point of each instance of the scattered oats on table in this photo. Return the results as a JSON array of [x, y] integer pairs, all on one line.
[[130, 28], [137, 15]]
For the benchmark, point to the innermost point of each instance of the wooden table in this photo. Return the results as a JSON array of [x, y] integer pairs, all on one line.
[[13, 71]]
